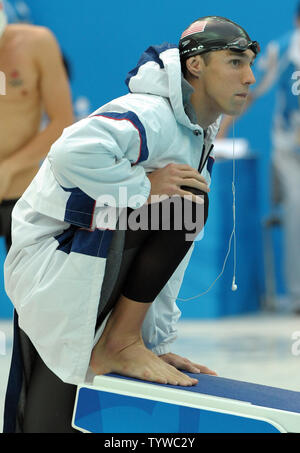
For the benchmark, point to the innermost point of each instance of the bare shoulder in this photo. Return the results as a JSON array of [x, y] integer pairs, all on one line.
[[33, 36], [29, 31], [39, 33]]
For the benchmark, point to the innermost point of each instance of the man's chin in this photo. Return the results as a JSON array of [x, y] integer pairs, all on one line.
[[235, 111]]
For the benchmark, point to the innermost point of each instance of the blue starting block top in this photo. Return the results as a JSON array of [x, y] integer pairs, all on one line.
[[215, 405]]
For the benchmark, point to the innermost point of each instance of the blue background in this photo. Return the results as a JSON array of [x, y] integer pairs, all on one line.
[[103, 40]]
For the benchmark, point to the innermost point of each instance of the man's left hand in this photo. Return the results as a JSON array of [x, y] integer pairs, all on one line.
[[182, 363]]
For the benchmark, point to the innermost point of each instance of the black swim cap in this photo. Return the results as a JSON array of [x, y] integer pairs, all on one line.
[[214, 33]]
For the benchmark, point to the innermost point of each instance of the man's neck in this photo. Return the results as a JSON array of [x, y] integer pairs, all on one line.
[[206, 114]]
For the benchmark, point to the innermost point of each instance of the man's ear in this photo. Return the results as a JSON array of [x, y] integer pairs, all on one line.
[[195, 65]]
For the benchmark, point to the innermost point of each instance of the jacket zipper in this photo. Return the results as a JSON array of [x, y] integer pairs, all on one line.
[[203, 162]]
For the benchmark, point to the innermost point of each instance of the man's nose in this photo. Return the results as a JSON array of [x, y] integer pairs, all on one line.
[[249, 78]]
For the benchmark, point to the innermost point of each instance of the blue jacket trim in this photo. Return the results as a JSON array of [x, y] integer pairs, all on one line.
[[134, 120], [79, 209], [92, 243], [151, 54]]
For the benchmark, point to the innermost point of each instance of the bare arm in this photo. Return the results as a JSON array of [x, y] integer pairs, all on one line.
[[56, 100]]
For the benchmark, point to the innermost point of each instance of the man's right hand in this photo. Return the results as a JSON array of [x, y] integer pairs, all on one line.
[[169, 179]]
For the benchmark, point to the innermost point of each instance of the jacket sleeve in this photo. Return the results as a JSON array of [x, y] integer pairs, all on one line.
[[160, 325], [98, 155]]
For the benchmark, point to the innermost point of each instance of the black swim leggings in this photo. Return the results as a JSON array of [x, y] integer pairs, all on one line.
[[6, 208], [159, 251]]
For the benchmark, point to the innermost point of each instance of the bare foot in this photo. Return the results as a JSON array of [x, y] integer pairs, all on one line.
[[129, 357]]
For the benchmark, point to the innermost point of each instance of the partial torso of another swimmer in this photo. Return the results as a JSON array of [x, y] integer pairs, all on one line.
[[22, 106]]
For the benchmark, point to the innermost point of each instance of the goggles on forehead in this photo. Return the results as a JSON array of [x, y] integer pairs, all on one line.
[[239, 45], [242, 44]]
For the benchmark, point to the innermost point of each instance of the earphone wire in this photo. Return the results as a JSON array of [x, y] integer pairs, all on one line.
[[232, 236], [233, 200]]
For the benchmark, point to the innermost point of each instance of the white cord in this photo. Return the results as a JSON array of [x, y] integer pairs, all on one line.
[[233, 235], [233, 286]]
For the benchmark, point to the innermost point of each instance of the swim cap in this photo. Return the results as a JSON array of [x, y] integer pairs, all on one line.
[[214, 33], [3, 20]]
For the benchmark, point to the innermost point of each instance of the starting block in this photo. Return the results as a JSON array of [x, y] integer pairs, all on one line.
[[115, 403]]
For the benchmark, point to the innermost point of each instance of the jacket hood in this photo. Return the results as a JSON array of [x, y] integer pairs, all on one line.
[[158, 72]]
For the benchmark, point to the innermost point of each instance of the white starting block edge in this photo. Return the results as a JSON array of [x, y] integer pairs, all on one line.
[[283, 421]]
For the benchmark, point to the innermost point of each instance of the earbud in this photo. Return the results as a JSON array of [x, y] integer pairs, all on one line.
[[234, 285]]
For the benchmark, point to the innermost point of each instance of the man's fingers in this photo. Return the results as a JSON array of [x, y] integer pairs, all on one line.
[[191, 367], [199, 369], [192, 173], [195, 198], [192, 182], [186, 171], [169, 179], [206, 370], [185, 364], [202, 369]]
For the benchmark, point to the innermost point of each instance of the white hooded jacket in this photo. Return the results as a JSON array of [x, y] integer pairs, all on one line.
[[61, 239]]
